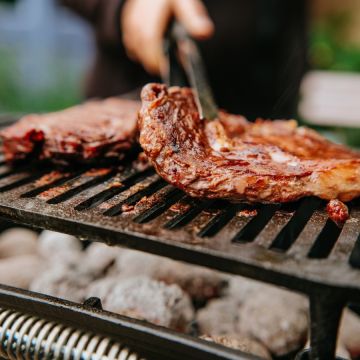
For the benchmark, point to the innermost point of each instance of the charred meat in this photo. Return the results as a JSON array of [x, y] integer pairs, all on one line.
[[95, 130], [231, 158]]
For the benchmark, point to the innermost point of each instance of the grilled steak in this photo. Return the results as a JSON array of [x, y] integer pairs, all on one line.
[[96, 129], [231, 158]]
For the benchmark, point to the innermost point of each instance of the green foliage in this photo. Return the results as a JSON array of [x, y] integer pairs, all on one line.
[[14, 98], [328, 50]]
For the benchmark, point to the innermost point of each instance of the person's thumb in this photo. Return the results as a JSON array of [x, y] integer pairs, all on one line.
[[194, 17]]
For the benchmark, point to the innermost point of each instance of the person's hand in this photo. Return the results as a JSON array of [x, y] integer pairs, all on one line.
[[144, 23]]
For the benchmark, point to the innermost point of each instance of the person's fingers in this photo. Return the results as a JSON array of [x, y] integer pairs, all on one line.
[[143, 25], [152, 40], [150, 52], [194, 16], [130, 26]]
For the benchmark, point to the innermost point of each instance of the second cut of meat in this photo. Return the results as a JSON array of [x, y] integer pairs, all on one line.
[[94, 130]]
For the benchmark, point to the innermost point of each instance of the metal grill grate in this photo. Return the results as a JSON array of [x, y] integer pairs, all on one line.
[[295, 245]]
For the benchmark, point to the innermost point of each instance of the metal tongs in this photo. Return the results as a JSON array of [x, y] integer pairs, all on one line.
[[184, 61]]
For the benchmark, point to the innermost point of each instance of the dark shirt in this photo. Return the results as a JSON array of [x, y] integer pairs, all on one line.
[[255, 60]]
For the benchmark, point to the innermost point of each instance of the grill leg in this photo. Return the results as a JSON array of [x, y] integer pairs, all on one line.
[[325, 312]]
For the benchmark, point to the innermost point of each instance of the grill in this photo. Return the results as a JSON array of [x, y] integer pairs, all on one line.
[[65, 328], [292, 245], [24, 335]]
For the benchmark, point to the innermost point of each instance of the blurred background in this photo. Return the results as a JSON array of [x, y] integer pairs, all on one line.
[[44, 53], [38, 36], [329, 96]]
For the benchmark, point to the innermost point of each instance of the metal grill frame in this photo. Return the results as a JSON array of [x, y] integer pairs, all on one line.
[[330, 283], [152, 342], [218, 252]]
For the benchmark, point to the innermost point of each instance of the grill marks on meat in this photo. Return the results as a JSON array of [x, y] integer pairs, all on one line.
[[95, 129], [234, 159]]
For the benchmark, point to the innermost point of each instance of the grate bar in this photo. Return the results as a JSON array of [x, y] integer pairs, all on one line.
[[135, 198], [272, 228], [57, 182], [325, 241], [124, 183], [92, 191], [23, 181], [292, 230], [223, 238], [255, 226], [82, 184], [347, 238], [119, 197], [6, 172], [171, 197], [354, 259], [219, 220], [312, 229], [185, 217]]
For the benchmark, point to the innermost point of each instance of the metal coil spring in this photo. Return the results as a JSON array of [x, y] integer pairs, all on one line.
[[25, 337]]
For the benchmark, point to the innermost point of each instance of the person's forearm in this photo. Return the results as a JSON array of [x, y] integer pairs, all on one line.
[[104, 15]]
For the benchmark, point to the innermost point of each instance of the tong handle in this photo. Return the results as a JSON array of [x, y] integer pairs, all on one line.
[[183, 53], [173, 73]]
